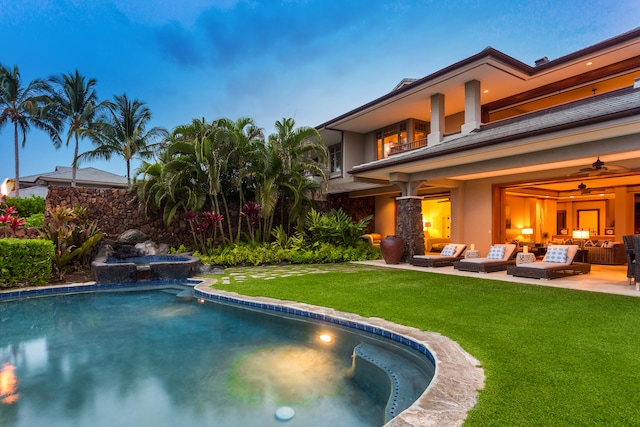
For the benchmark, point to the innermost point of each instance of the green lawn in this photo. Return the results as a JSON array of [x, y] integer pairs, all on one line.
[[552, 357]]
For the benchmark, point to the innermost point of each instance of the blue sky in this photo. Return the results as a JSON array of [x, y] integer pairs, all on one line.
[[307, 59]]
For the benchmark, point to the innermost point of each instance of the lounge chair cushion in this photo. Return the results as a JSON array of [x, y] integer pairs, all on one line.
[[448, 250], [496, 252], [557, 254]]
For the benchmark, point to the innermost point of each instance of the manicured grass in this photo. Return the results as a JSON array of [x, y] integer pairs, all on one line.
[[552, 357]]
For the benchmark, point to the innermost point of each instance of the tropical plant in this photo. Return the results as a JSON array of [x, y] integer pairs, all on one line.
[[72, 235], [77, 104], [122, 132], [291, 157], [9, 217], [247, 139], [203, 229], [335, 227], [251, 211], [24, 107]]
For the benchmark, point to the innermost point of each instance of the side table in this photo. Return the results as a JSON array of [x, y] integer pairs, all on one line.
[[525, 258], [472, 254]]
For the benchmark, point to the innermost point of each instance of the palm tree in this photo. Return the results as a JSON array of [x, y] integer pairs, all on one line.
[[247, 139], [200, 156], [77, 101], [122, 132], [25, 107], [291, 154]]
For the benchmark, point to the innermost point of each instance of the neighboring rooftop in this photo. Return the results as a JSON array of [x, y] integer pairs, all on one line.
[[85, 177]]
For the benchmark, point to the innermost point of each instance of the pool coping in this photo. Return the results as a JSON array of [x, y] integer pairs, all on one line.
[[458, 376]]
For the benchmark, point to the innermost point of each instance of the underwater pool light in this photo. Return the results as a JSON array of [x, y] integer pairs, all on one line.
[[325, 338]]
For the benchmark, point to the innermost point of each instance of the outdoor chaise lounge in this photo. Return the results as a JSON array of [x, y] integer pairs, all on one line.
[[498, 258], [558, 262], [450, 253]]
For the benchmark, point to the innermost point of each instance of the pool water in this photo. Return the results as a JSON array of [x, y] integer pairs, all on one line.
[[147, 358]]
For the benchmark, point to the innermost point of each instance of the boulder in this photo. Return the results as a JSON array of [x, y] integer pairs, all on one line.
[[132, 237]]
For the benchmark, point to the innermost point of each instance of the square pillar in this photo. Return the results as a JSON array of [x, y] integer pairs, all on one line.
[[472, 107], [409, 226], [437, 119]]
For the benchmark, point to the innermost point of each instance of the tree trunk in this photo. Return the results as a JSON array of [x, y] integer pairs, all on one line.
[[74, 166], [17, 159]]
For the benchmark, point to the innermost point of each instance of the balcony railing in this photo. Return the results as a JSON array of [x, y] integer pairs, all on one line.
[[419, 143]]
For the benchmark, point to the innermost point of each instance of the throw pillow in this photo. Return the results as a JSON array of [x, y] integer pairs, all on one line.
[[590, 243], [496, 252], [558, 255], [448, 250], [608, 244]]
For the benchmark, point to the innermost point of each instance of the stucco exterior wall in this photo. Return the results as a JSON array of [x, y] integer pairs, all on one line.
[[353, 150], [476, 218], [385, 213]]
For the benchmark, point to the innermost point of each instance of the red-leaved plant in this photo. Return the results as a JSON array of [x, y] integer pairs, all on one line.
[[9, 217], [252, 211], [203, 230]]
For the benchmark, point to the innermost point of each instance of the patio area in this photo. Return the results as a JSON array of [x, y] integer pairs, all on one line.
[[611, 279]]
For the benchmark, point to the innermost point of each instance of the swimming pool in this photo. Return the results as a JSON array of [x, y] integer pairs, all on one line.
[[150, 359]]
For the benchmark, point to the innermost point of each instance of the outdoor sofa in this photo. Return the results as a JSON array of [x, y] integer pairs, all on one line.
[[449, 254], [498, 258], [558, 262]]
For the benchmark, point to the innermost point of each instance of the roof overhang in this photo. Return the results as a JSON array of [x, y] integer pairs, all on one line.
[[500, 75]]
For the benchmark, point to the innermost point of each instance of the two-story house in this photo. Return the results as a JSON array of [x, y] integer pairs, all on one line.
[[490, 149]]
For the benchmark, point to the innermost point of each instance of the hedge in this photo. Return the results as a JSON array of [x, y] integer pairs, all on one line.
[[25, 262]]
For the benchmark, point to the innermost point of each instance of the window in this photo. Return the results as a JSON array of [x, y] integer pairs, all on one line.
[[335, 161], [420, 132], [389, 139]]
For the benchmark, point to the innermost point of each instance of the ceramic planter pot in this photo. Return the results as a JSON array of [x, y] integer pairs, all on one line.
[[392, 248]]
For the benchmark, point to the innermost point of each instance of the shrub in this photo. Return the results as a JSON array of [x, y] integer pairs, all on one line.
[[335, 227], [27, 206], [246, 254], [35, 220], [25, 262]]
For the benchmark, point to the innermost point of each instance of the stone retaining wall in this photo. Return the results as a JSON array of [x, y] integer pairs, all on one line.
[[117, 210]]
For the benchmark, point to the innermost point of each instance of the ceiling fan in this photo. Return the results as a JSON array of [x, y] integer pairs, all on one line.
[[584, 190], [599, 168]]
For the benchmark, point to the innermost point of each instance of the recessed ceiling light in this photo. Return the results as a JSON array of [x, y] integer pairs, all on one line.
[[486, 91], [589, 63]]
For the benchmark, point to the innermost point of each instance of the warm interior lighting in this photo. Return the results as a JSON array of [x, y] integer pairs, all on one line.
[[325, 338], [589, 63], [486, 91], [580, 234], [527, 231], [7, 187], [8, 384]]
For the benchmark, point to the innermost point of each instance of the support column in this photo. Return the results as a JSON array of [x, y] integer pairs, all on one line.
[[409, 226], [472, 107], [437, 119]]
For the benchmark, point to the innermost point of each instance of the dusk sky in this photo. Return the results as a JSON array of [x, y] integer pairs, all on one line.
[[311, 60]]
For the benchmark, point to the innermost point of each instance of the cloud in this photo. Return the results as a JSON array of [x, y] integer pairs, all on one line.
[[179, 45]]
